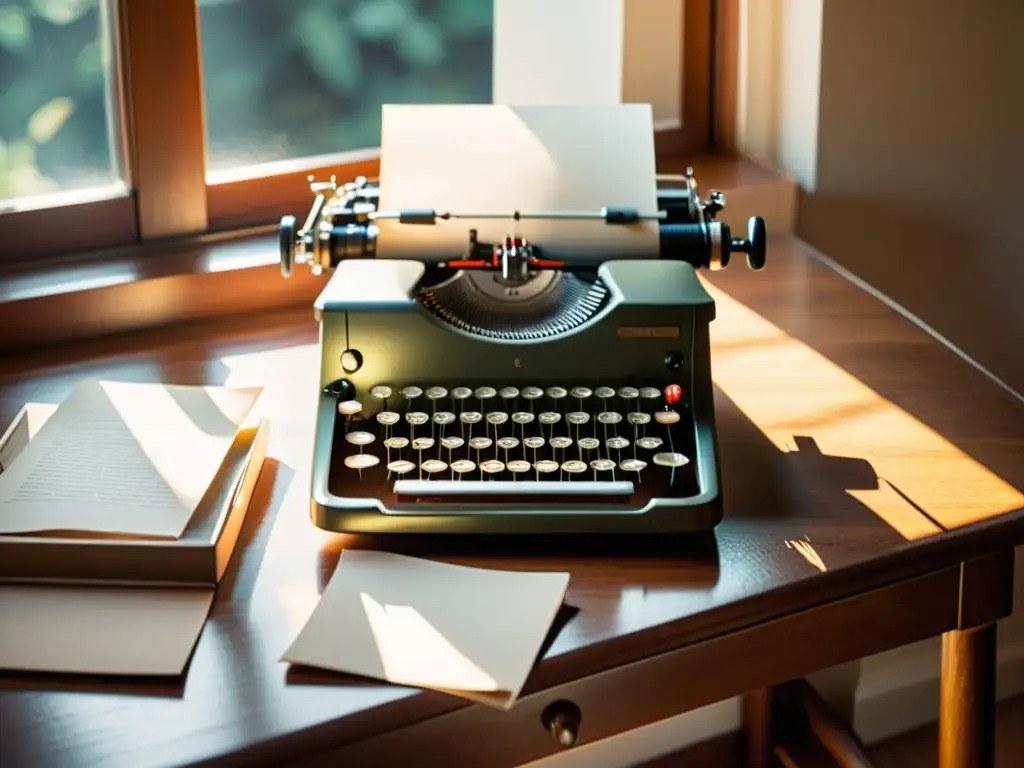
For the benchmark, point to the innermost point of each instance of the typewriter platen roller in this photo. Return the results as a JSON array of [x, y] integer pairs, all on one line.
[[502, 390]]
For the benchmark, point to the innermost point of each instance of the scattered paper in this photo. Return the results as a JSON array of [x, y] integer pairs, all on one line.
[[470, 632], [100, 630], [123, 458], [488, 159]]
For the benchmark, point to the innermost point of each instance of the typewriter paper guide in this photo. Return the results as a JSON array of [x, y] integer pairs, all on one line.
[[495, 159], [469, 632], [123, 458]]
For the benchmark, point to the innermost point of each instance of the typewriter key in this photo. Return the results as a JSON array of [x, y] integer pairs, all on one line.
[[462, 466], [602, 465], [434, 465], [666, 417], [574, 467], [533, 442], [422, 443], [533, 393], [401, 467], [497, 417], [480, 443], [388, 418], [578, 417], [604, 392], [650, 443], [350, 407], [560, 442], [452, 443], [381, 391], [670, 459], [581, 393], [589, 443], [556, 393], [411, 393], [508, 443], [518, 466], [650, 393], [361, 461], [471, 417], [492, 466], [436, 393], [617, 443], [461, 393], [416, 418], [519, 417], [509, 393], [638, 418], [632, 465], [609, 417], [444, 417], [629, 393], [360, 438], [485, 393], [549, 418], [398, 443], [546, 466]]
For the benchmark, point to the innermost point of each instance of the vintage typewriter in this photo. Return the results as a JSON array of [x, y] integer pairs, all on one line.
[[502, 390]]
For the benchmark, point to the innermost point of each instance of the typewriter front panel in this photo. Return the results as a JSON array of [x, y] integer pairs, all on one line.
[[606, 427]]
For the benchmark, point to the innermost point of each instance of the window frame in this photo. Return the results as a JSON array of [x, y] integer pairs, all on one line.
[[164, 141]]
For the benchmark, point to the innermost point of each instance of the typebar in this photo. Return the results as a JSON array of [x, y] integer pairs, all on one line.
[[512, 490]]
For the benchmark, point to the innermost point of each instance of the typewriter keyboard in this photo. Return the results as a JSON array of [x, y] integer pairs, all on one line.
[[620, 445]]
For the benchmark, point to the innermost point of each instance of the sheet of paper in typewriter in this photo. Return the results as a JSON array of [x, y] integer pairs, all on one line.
[[497, 159]]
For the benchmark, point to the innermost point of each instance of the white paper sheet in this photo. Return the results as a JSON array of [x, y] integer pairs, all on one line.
[[100, 630], [493, 159], [470, 632], [123, 458]]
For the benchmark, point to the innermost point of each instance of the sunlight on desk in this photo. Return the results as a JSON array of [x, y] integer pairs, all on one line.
[[789, 391], [406, 640]]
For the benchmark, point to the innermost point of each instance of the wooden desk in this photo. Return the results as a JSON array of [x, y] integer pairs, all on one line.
[[870, 479]]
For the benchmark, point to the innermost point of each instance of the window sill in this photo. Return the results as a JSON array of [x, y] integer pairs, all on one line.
[[160, 283]]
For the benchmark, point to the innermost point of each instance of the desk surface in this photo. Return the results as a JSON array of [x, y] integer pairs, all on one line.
[[855, 450]]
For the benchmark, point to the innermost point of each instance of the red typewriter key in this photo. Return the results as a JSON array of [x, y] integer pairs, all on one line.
[[673, 394]]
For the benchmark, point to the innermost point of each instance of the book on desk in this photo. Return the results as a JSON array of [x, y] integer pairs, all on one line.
[[119, 511]]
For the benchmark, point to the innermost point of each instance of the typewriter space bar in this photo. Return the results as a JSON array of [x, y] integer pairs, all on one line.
[[511, 489]]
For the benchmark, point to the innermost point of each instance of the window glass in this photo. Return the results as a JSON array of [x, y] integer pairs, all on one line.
[[59, 122], [285, 79]]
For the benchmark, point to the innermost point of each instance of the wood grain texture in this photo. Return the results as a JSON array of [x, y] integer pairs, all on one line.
[[968, 698], [35, 234], [725, 75], [697, 67], [164, 100], [801, 527]]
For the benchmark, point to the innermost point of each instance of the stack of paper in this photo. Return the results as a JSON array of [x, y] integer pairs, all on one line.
[[118, 511], [470, 632]]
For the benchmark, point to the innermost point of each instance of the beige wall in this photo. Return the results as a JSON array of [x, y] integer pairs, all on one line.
[[920, 162]]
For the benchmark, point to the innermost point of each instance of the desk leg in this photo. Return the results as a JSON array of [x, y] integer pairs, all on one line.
[[967, 702], [757, 726]]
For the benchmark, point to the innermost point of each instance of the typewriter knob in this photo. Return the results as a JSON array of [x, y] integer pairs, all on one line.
[[756, 244], [287, 244]]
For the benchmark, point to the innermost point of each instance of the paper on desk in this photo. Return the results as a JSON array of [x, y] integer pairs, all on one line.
[[470, 632], [100, 630], [123, 458], [496, 159]]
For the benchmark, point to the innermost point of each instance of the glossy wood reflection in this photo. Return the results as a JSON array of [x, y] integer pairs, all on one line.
[[628, 599]]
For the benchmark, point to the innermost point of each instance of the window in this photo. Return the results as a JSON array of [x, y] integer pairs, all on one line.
[[127, 120]]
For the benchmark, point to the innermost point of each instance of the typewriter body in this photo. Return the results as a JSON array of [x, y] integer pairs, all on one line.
[[506, 388]]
